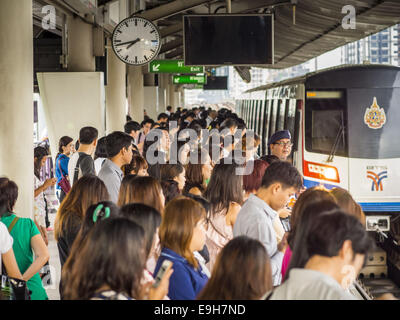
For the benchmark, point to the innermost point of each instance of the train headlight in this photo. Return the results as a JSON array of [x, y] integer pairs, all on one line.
[[321, 171], [330, 173]]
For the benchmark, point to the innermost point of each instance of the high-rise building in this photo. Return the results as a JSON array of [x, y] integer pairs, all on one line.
[[381, 47]]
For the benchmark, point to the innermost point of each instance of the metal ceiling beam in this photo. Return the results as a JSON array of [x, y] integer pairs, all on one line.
[[170, 45], [170, 9], [167, 31], [175, 53]]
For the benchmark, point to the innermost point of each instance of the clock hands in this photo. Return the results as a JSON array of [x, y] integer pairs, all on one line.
[[137, 40], [129, 42]]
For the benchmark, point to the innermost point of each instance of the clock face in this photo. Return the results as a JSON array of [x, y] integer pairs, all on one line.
[[136, 41]]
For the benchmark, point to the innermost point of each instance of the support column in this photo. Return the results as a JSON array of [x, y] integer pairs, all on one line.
[[115, 92], [80, 46], [136, 93], [16, 103], [171, 95]]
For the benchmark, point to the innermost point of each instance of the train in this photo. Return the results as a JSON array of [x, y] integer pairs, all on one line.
[[345, 126]]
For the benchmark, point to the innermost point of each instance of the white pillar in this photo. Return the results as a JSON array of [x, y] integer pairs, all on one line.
[[115, 92], [136, 93], [16, 103], [80, 46]]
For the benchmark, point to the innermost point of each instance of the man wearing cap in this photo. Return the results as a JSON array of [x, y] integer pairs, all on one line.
[[280, 144]]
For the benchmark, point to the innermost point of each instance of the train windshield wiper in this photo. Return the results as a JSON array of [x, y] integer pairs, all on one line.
[[339, 135]]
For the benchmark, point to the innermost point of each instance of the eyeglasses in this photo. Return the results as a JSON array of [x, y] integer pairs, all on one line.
[[284, 144]]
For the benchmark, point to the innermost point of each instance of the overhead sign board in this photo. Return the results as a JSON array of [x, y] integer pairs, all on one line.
[[173, 66], [189, 79]]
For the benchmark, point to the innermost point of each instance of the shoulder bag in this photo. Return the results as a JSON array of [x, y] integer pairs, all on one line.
[[64, 182], [11, 288]]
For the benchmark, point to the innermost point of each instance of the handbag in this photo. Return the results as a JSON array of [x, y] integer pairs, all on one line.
[[64, 182], [11, 288]]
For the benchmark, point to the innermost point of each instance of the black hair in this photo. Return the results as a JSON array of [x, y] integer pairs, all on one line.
[[170, 190], [8, 195], [39, 153], [322, 230], [270, 158], [101, 149], [131, 126], [145, 216], [145, 121], [241, 124], [116, 141], [87, 135], [282, 172], [204, 202], [169, 108], [128, 118], [189, 114], [162, 115], [328, 232], [63, 142], [228, 123], [88, 221], [169, 171]]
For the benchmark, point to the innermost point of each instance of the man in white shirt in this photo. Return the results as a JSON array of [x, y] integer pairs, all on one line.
[[280, 181], [337, 245]]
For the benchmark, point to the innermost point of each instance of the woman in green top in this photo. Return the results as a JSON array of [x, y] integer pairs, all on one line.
[[27, 240]]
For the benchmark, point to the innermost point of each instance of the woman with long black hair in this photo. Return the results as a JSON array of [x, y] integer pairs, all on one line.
[[40, 155], [65, 147]]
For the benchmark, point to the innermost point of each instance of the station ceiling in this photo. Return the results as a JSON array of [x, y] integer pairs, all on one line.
[[312, 28]]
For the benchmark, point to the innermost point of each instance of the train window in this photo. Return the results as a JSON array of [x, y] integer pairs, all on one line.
[[257, 117], [265, 126], [290, 115], [274, 112], [253, 106], [261, 118], [281, 114], [326, 119], [246, 113], [254, 115], [249, 115]]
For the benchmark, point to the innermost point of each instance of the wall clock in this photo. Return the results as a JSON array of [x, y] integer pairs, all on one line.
[[136, 41]]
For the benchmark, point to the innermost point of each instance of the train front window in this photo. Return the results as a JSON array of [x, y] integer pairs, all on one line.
[[326, 122], [374, 127]]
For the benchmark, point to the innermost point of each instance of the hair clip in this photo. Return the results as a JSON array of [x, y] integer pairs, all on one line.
[[99, 212]]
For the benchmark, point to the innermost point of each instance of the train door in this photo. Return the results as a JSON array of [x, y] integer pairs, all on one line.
[[326, 141]]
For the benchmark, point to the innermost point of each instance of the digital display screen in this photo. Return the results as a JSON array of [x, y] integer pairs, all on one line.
[[228, 39]]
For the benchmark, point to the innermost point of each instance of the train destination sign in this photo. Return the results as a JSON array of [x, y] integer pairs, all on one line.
[[189, 79], [173, 66]]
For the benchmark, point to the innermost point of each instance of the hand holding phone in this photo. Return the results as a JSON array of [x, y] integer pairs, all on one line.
[[166, 265], [159, 289]]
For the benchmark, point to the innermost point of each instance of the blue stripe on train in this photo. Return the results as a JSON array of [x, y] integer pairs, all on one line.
[[380, 206], [366, 206], [310, 184]]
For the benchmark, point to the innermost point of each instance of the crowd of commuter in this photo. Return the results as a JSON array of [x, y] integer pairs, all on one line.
[[188, 188]]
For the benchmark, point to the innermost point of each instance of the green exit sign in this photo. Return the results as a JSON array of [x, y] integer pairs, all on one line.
[[173, 66], [189, 79]]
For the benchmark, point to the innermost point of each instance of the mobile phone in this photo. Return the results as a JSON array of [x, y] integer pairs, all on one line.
[[165, 265]]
